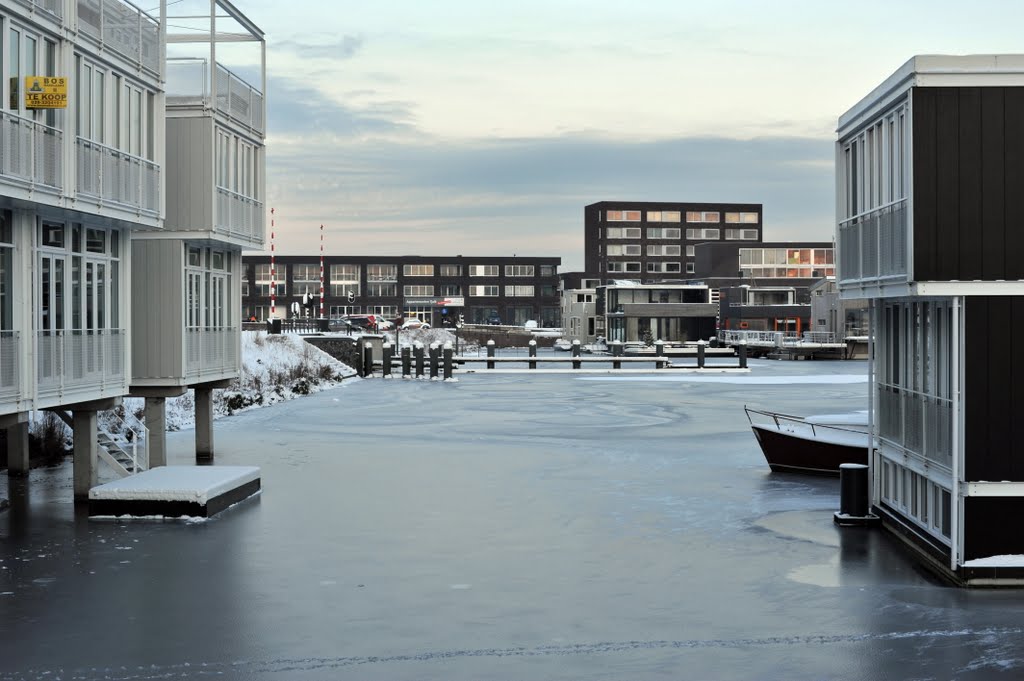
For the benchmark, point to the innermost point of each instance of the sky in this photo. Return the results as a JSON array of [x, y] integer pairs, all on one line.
[[484, 128]]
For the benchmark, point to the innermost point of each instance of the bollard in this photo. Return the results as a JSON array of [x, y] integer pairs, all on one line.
[[659, 348], [406, 362], [576, 363], [700, 354], [367, 360], [386, 367], [417, 351], [713, 342], [447, 361], [743, 354], [490, 354], [533, 353], [853, 496], [435, 358], [616, 353]]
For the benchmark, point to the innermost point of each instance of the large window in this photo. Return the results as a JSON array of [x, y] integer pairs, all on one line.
[[519, 291], [483, 270], [703, 216], [483, 291], [787, 262], [344, 280], [418, 270], [451, 270], [236, 164], [418, 290], [519, 270], [623, 216], [663, 249], [382, 273], [451, 290], [663, 267], [873, 165], [622, 233], [623, 267], [265, 277], [745, 218], [624, 249], [547, 270], [663, 216], [381, 289], [663, 232], [741, 234], [708, 233], [208, 286]]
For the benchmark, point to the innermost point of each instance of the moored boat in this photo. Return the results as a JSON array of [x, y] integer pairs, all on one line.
[[811, 444]]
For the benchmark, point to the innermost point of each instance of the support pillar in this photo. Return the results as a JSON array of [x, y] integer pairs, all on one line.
[[155, 415], [17, 449], [204, 426], [533, 354], [86, 455], [447, 352]]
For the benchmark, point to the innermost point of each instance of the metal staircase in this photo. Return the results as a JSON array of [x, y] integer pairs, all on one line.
[[122, 440]]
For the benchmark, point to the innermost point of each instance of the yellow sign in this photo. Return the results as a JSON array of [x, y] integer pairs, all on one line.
[[46, 92]]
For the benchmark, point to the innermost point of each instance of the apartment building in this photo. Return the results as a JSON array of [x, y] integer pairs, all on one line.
[[652, 241], [435, 289], [927, 231], [101, 286]]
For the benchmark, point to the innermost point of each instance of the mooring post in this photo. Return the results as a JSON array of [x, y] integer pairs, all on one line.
[[447, 361], [435, 357], [406, 362], [490, 354], [854, 501], [700, 354], [417, 351], [532, 345], [659, 348], [367, 360], [386, 366], [576, 349], [743, 353], [616, 353]]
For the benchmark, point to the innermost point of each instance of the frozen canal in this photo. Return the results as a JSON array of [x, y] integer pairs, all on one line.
[[501, 527]]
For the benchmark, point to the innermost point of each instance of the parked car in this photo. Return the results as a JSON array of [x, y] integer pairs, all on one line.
[[413, 323], [494, 319], [383, 324]]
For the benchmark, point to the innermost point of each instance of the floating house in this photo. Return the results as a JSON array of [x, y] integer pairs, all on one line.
[[928, 231]]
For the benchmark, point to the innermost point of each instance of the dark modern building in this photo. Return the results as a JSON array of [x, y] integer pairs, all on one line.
[[653, 241], [929, 166], [434, 289]]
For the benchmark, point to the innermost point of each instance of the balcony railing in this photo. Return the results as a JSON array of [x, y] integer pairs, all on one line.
[[80, 361], [30, 151], [873, 245], [188, 84], [211, 352], [918, 423], [118, 177], [238, 215], [124, 28], [10, 375], [54, 7]]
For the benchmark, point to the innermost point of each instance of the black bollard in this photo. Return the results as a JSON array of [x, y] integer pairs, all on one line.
[[417, 351], [576, 349], [367, 360], [490, 354], [659, 348], [435, 358], [406, 362], [533, 353], [617, 350], [853, 496], [700, 354], [447, 361], [385, 368], [743, 354]]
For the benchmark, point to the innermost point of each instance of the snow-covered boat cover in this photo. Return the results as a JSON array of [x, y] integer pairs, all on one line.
[[197, 484]]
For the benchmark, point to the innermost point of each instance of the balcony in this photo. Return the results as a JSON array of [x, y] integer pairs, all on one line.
[[10, 373], [123, 28], [30, 152], [873, 246], [91, 363], [211, 354], [117, 177], [238, 215], [188, 85], [54, 7]]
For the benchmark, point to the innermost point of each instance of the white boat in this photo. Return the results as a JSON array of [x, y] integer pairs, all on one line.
[[562, 345], [811, 444]]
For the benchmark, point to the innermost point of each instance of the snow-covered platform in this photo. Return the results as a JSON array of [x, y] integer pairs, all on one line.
[[175, 491]]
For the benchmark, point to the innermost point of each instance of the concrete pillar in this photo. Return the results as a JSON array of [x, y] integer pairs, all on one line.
[[85, 453], [17, 449], [155, 415], [204, 425]]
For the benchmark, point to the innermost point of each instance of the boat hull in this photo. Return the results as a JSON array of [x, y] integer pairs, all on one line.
[[787, 453]]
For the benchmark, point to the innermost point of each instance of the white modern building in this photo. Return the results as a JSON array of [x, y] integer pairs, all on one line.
[[930, 232]]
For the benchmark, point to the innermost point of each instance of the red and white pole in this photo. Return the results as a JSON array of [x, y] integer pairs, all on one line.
[[273, 283], [321, 271]]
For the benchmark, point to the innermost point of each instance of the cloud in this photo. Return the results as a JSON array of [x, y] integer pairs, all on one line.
[[310, 48], [294, 108]]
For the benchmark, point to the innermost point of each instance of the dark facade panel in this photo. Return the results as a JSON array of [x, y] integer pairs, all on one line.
[[990, 527], [968, 165]]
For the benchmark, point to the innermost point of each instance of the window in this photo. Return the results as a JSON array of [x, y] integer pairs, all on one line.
[[483, 271], [625, 249], [451, 270], [623, 267], [548, 290], [381, 289], [418, 290], [702, 216], [622, 233], [741, 234], [418, 270], [382, 273], [519, 291], [518, 270], [745, 218], [691, 251], [623, 216], [705, 233], [663, 216], [451, 290], [663, 267], [547, 270], [483, 291], [305, 274], [264, 276], [690, 269], [344, 279], [663, 232], [663, 249]]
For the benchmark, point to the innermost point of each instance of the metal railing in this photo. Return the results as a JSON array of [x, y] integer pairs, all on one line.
[[189, 83], [54, 7], [238, 215], [30, 150], [211, 352], [917, 423], [873, 245], [80, 360], [10, 362], [124, 28], [118, 177], [237, 99]]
